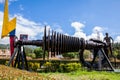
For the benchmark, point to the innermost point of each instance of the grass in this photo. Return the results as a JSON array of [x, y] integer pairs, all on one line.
[[84, 75], [9, 73]]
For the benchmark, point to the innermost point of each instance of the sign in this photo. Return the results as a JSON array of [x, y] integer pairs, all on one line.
[[23, 37]]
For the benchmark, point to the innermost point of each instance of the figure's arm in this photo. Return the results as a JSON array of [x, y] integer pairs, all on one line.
[[112, 39]]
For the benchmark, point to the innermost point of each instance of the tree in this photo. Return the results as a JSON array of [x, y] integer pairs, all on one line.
[[116, 50], [38, 52]]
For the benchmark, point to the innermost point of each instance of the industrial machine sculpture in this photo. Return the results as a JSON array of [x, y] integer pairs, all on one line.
[[57, 44]]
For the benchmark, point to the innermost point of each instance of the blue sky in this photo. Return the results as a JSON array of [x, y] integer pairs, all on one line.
[[80, 18]]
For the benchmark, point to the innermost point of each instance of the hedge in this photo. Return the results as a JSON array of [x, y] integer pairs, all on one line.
[[53, 67]]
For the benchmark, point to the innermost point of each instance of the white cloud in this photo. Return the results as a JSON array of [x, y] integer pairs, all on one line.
[[77, 26], [97, 29], [80, 35], [24, 26], [97, 33], [78, 29], [2, 1], [117, 39]]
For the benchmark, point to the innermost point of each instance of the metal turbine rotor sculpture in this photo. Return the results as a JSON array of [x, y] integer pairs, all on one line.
[[57, 43]]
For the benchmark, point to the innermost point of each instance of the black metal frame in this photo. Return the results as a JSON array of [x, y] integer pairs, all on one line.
[[20, 61]]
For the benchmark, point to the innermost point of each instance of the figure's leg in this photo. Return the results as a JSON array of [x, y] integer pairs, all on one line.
[[111, 50], [94, 56]]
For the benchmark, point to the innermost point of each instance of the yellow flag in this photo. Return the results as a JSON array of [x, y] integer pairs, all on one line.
[[8, 26]]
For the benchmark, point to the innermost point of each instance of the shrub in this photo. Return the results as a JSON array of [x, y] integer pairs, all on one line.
[[69, 55], [33, 66], [62, 67], [48, 67], [32, 55], [118, 56], [52, 67], [36, 66], [2, 61], [72, 67], [6, 63], [30, 65]]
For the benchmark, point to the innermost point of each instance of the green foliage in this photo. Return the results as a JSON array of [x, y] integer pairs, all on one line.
[[84, 75], [86, 53], [2, 61], [30, 65], [117, 53], [48, 67], [34, 66], [38, 52], [53, 66], [118, 56], [32, 55], [116, 50], [6, 63], [69, 55], [62, 67], [68, 67], [72, 67]]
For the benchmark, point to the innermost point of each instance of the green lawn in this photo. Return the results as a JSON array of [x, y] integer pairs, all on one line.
[[84, 75], [9, 73]]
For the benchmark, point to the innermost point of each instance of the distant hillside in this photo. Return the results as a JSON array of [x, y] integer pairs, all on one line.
[[4, 46]]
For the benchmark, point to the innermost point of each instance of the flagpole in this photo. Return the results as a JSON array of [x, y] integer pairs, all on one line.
[[11, 46], [12, 38]]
